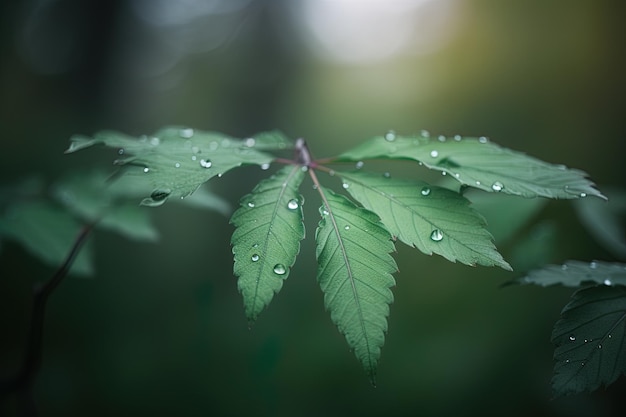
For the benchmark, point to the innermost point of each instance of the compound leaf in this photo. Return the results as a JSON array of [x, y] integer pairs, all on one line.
[[175, 161], [479, 163], [47, 232], [354, 273], [575, 273], [430, 218], [590, 340], [266, 241]]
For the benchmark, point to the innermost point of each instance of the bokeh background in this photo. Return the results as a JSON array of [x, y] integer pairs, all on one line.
[[160, 329]]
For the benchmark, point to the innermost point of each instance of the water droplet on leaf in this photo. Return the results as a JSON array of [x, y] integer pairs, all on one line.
[[292, 204], [607, 282], [250, 142], [390, 136], [582, 195], [441, 138], [347, 227], [434, 153], [177, 165], [146, 169], [572, 338], [424, 133], [457, 138], [250, 204], [279, 269], [265, 167], [154, 141], [436, 235], [359, 164], [206, 163], [425, 191], [160, 195], [483, 139], [120, 151], [497, 186], [186, 133], [386, 175], [593, 265], [255, 258], [345, 185]]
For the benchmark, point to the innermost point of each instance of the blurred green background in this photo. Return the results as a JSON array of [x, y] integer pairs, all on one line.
[[160, 330]]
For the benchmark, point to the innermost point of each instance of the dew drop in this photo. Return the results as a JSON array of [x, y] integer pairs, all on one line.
[[563, 267], [607, 282], [154, 141], [497, 186], [206, 163], [250, 204], [586, 340], [160, 195], [325, 212], [255, 258], [593, 265], [582, 364], [146, 169], [572, 338], [610, 336], [359, 165], [425, 191], [390, 136], [120, 151], [582, 195], [434, 153], [265, 167], [213, 145], [599, 346], [186, 133], [195, 149], [436, 235], [331, 173], [279, 269], [478, 182], [386, 175], [483, 139], [193, 157], [292, 204], [457, 175], [304, 168], [441, 138], [444, 173], [256, 245], [177, 164], [425, 133], [345, 185], [250, 142], [347, 227], [457, 138]]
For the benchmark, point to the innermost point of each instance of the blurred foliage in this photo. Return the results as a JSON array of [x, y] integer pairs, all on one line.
[[162, 332]]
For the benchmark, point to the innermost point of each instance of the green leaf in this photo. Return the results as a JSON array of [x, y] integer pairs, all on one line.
[[354, 273], [577, 273], [47, 232], [89, 196], [273, 140], [590, 338], [267, 238], [430, 218], [175, 161], [479, 163]]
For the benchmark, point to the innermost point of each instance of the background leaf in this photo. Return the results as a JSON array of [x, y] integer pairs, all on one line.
[[605, 220], [355, 275], [88, 196], [267, 237], [176, 161], [575, 273], [47, 232], [479, 163], [430, 218], [590, 339]]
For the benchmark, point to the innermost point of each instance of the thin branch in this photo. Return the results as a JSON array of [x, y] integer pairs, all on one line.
[[23, 381]]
